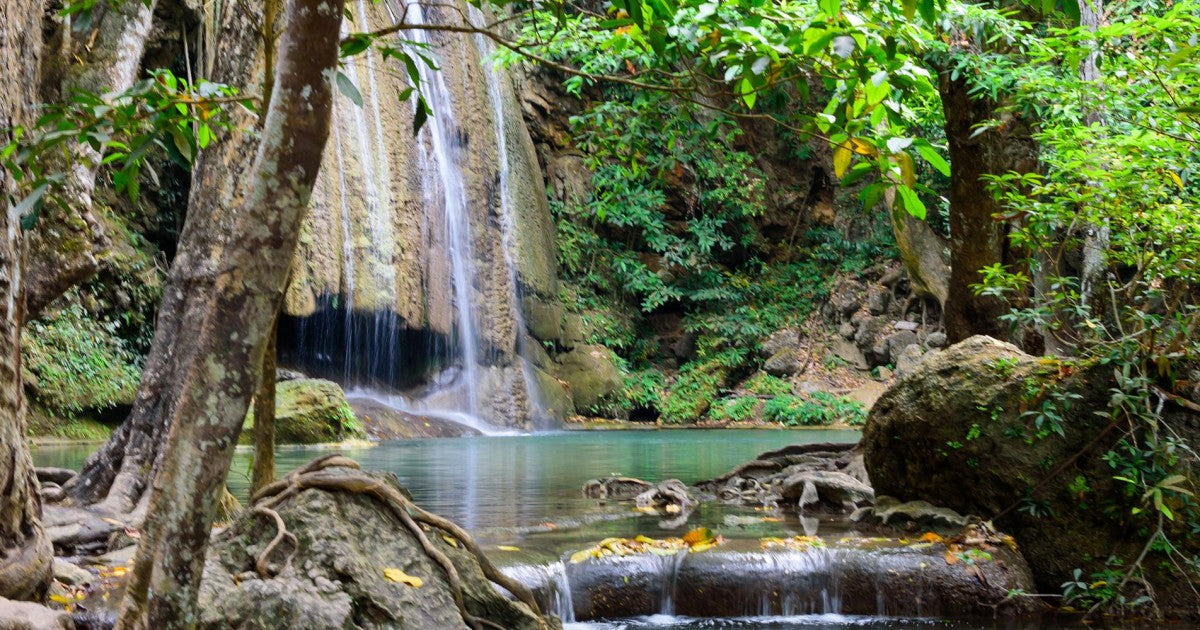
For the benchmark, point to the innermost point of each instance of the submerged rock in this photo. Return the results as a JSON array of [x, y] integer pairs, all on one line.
[[354, 565], [383, 422], [615, 488]]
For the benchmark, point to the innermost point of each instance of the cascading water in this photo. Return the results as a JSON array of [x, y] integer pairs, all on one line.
[[425, 314]]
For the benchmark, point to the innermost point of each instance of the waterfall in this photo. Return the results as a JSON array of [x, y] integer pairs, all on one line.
[[422, 309]]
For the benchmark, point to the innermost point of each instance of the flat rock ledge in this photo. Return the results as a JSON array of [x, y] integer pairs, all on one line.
[[882, 578]]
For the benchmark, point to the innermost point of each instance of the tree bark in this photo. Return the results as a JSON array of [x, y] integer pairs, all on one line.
[[226, 317], [264, 419], [65, 248], [114, 478], [25, 551], [977, 238]]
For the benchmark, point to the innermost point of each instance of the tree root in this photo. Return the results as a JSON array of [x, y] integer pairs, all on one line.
[[260, 565], [313, 475]]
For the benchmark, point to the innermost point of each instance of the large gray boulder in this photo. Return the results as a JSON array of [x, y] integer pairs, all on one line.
[[954, 431], [337, 577]]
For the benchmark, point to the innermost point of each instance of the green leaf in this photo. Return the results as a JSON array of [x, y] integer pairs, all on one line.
[[830, 7], [355, 44], [928, 9], [936, 161], [912, 202], [346, 87], [421, 115], [1071, 9], [910, 8]]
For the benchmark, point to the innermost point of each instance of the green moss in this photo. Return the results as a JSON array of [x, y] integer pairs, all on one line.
[[82, 428], [75, 364]]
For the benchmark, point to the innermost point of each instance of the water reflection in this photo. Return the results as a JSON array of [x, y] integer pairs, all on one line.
[[511, 482]]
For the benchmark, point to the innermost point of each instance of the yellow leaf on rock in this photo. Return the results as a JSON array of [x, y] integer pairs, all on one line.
[[931, 537], [59, 599], [396, 575], [698, 535], [507, 548], [450, 540], [580, 556]]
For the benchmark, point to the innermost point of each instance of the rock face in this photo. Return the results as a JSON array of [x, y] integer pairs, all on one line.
[[310, 411], [590, 373], [406, 231], [951, 431], [336, 578]]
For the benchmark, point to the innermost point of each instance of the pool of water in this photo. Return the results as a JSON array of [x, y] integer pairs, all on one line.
[[511, 485]]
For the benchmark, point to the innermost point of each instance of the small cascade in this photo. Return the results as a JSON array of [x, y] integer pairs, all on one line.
[[670, 582], [408, 286], [552, 585]]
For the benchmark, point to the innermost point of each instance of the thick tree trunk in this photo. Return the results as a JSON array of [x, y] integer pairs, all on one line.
[[226, 319], [977, 238], [264, 419], [65, 249], [25, 551], [114, 478]]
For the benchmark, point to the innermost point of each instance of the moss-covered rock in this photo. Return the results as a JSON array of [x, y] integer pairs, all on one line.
[[591, 373], [955, 431], [309, 411]]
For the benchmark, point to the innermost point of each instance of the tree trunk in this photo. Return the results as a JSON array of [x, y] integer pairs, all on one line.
[[114, 478], [64, 250], [25, 551], [977, 238], [264, 418], [226, 317]]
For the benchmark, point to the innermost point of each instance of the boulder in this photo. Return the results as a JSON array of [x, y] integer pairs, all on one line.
[[591, 373], [871, 339], [908, 359], [786, 362], [846, 297], [780, 339], [850, 354], [954, 432], [878, 299], [936, 340], [17, 615], [897, 342], [572, 330], [354, 565], [309, 411]]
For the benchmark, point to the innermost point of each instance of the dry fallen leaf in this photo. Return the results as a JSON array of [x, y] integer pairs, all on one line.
[[507, 548], [450, 540], [396, 575]]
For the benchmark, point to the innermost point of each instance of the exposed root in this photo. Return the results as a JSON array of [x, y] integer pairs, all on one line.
[[312, 475], [260, 565]]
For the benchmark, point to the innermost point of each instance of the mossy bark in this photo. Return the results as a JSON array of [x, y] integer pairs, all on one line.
[[977, 238], [25, 552], [115, 477], [65, 249], [264, 419], [225, 318]]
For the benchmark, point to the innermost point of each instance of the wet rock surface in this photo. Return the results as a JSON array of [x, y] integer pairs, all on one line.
[[383, 422], [877, 577]]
